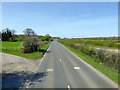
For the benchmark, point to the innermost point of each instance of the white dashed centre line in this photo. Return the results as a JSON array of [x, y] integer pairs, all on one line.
[[76, 67], [68, 87], [60, 60], [19, 66], [49, 70]]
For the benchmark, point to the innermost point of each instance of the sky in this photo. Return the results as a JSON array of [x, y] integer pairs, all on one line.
[[62, 19]]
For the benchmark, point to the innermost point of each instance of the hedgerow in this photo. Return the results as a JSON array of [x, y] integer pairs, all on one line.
[[102, 56]]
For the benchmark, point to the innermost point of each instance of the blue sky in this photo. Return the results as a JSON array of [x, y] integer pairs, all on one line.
[[70, 19]]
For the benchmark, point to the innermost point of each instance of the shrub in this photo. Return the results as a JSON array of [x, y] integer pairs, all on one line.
[[44, 38], [20, 38], [43, 43], [86, 50], [30, 44], [81, 48], [51, 39], [13, 39], [93, 53], [101, 55]]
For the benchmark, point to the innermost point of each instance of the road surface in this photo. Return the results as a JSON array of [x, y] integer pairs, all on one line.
[[62, 69]]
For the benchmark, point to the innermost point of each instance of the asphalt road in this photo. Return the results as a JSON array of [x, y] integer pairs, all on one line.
[[62, 69]]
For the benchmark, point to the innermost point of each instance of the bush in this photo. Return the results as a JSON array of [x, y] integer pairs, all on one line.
[[30, 44], [13, 39], [93, 53], [43, 43], [81, 48], [44, 38], [51, 39], [20, 38]]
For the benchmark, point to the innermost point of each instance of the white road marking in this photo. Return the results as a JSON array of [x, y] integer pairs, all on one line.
[[19, 66], [60, 60], [43, 57], [49, 70], [68, 87], [76, 67]]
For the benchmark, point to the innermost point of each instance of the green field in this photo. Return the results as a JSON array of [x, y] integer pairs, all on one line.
[[14, 48], [11, 44], [97, 43]]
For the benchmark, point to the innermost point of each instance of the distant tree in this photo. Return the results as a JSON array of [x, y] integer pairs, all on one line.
[[6, 34], [0, 35], [33, 33], [13, 32], [9, 33], [47, 35], [30, 41], [29, 32]]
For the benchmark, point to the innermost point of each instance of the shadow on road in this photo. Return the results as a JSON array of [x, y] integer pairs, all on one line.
[[18, 79], [48, 51]]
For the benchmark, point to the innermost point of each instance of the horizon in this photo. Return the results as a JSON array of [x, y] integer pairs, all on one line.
[[70, 20]]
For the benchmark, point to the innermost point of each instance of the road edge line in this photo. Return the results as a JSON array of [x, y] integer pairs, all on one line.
[[43, 56], [68, 87], [35, 70]]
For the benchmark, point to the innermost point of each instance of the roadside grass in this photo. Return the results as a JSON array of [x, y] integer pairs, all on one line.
[[15, 50], [111, 73]]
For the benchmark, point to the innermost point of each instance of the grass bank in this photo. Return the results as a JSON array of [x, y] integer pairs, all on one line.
[[111, 73], [13, 48]]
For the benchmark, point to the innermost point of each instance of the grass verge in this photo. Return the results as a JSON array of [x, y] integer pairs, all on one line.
[[111, 73], [33, 55]]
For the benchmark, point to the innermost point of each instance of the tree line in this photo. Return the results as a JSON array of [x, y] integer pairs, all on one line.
[[7, 34], [31, 42]]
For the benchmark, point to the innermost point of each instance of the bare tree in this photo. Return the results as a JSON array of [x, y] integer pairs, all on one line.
[[29, 32], [13, 32]]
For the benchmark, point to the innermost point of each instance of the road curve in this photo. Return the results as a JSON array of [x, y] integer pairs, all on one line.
[[62, 69]]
